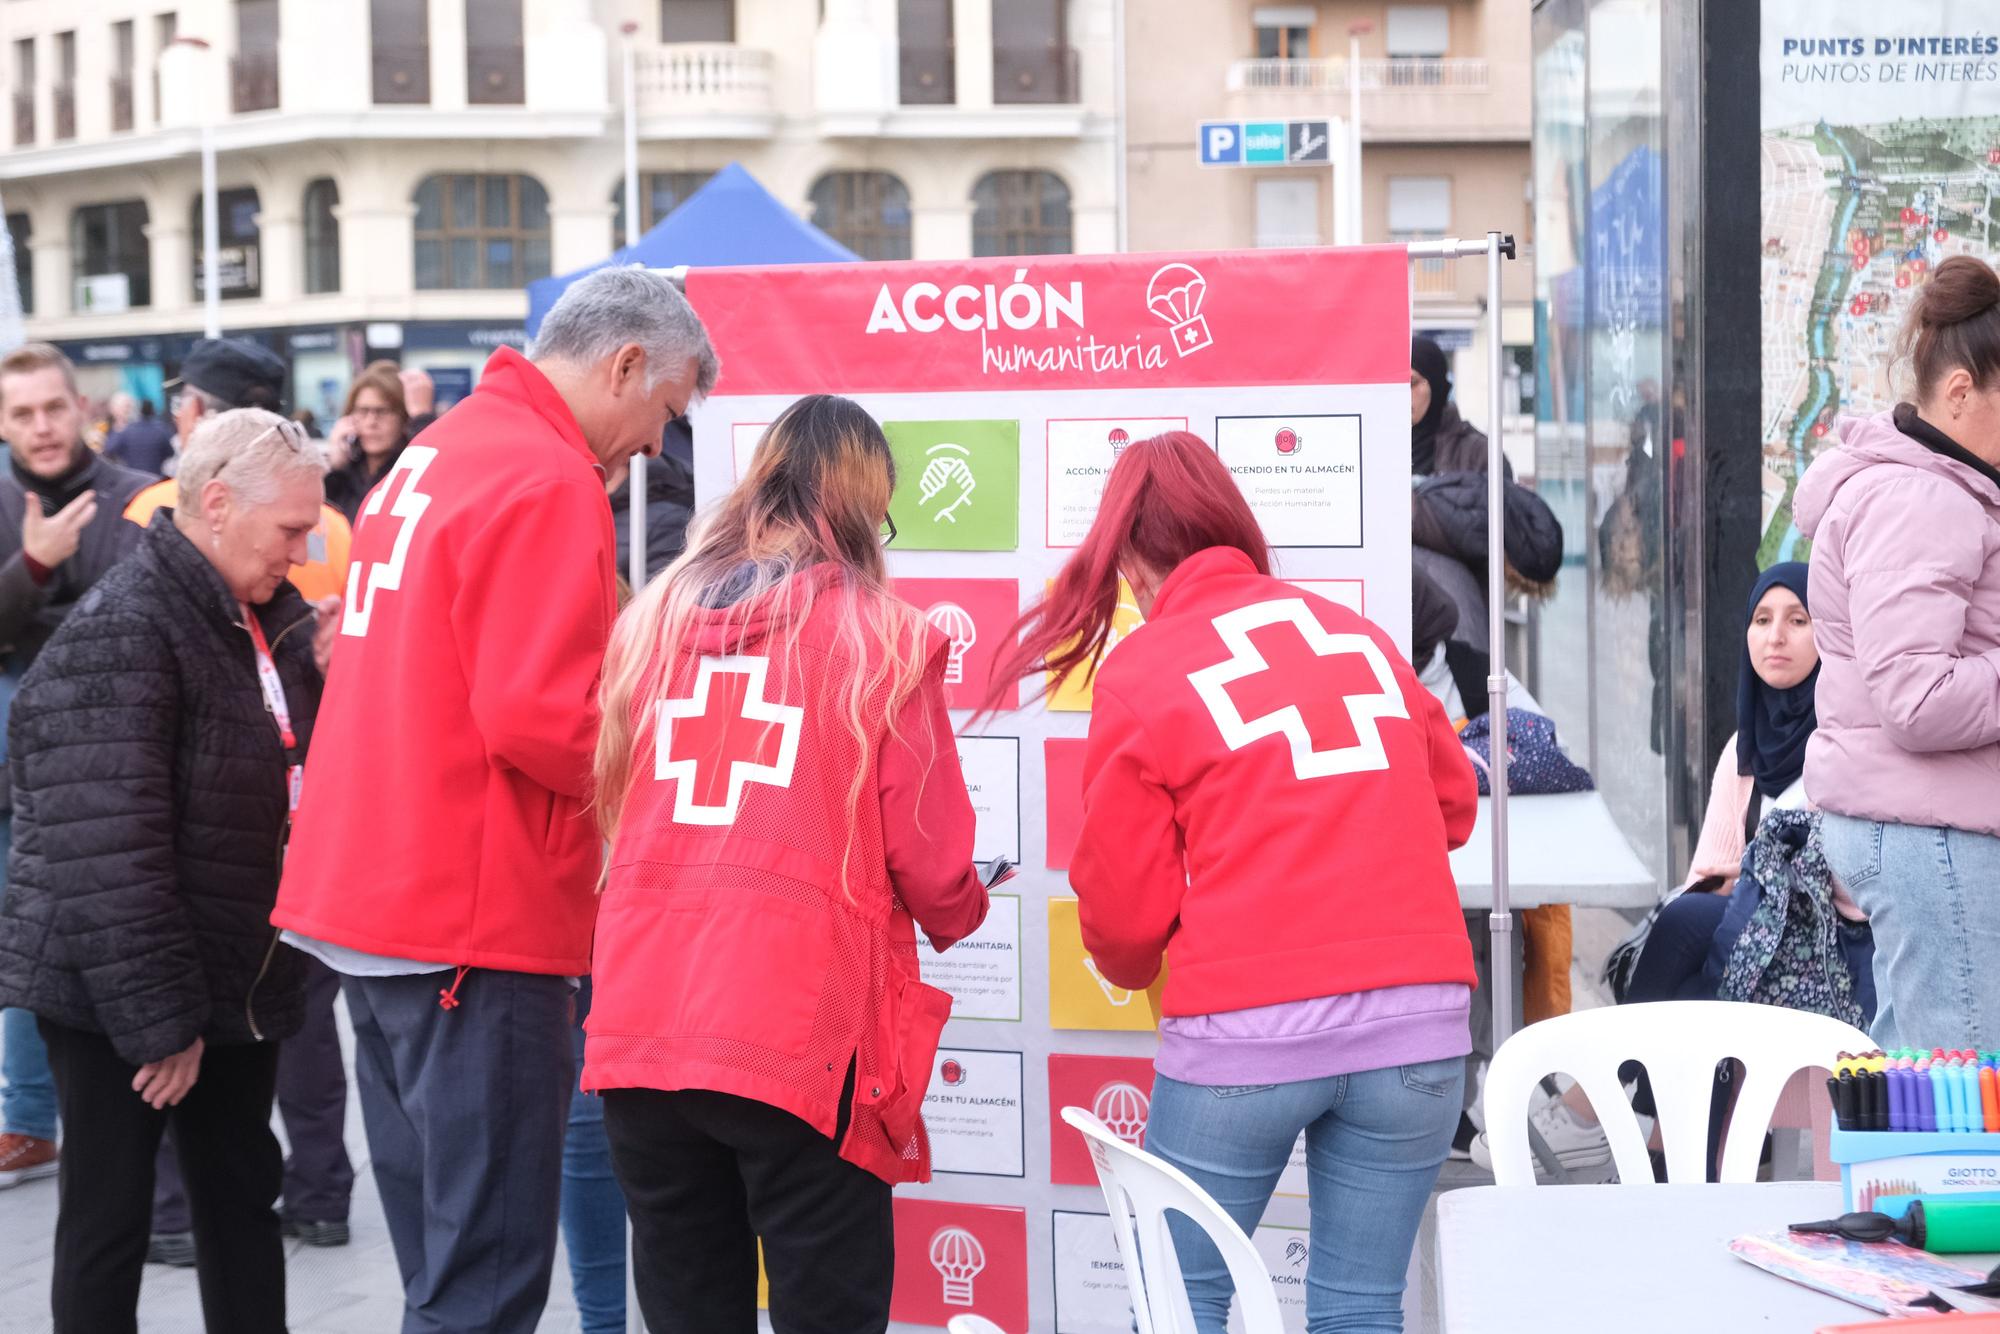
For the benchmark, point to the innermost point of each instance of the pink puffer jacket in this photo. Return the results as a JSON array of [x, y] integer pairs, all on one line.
[[1906, 612]]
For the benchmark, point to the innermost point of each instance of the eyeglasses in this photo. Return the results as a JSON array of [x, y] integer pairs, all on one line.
[[293, 434], [374, 412], [889, 527]]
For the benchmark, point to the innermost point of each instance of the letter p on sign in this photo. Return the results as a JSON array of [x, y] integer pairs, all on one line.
[[1221, 142]]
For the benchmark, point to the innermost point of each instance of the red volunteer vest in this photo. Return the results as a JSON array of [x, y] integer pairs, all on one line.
[[729, 954]]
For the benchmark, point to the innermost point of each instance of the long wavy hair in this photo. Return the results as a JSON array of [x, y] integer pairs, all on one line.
[[1167, 498], [814, 499]]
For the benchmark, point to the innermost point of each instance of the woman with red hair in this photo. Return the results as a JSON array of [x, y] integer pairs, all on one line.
[[1269, 800]]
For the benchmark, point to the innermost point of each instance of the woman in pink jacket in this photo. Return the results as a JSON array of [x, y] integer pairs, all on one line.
[[1904, 516]]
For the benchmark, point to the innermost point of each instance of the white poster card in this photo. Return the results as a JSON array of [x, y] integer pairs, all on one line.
[[972, 1112], [1081, 452], [1301, 474], [992, 766], [983, 971], [1092, 1294]]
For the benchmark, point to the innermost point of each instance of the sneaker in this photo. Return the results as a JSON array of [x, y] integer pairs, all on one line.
[[330, 1232], [175, 1249], [1461, 1142], [25, 1158], [1575, 1144]]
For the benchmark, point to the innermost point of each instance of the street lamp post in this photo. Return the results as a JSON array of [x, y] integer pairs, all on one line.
[[1355, 32], [211, 244], [635, 558]]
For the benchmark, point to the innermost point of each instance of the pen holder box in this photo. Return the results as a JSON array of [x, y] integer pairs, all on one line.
[[1888, 1162]]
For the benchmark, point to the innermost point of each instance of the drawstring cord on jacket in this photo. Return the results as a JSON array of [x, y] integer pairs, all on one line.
[[448, 997]]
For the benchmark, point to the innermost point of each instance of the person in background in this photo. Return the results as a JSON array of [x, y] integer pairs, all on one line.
[[308, 420], [143, 442], [59, 533], [136, 925], [775, 1094], [593, 1207], [370, 436], [220, 374], [1294, 879], [443, 861], [1903, 512], [419, 398]]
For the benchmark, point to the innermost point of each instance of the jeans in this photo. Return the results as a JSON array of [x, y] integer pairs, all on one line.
[[104, 1196], [464, 1110], [1374, 1143], [1670, 964], [1930, 897], [27, 1090], [593, 1208]]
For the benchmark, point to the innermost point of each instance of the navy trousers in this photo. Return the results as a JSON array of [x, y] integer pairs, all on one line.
[[466, 1110]]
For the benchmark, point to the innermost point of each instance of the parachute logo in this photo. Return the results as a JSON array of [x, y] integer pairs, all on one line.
[[955, 624], [947, 475], [1123, 1109], [958, 1257], [1175, 295], [1120, 437]]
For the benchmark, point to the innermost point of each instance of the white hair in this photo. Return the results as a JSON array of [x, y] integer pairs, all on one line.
[[252, 451], [603, 312]]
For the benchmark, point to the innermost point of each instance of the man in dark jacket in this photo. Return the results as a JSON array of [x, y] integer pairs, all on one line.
[[60, 530], [143, 445], [669, 505]]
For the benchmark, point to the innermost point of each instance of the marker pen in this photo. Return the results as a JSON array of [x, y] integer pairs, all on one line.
[[1989, 1097], [1954, 1121], [1936, 1105], [1975, 1114], [1898, 1097]]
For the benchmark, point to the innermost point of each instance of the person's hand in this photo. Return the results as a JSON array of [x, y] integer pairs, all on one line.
[[419, 393], [162, 1084], [340, 442], [327, 632], [50, 540]]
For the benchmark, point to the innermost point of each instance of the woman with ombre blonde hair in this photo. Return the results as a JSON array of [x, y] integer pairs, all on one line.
[[778, 779]]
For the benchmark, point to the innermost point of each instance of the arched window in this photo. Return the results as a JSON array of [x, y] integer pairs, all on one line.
[[1020, 213], [107, 241], [481, 231], [661, 191], [322, 230], [236, 243], [866, 211]]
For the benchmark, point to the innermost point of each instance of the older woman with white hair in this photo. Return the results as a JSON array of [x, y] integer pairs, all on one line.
[[156, 749]]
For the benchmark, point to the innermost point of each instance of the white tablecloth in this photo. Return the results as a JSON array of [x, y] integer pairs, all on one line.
[[1560, 849], [1638, 1260]]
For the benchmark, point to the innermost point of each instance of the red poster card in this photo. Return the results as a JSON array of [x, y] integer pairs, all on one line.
[[974, 615], [1117, 1090], [1062, 790], [957, 1259]]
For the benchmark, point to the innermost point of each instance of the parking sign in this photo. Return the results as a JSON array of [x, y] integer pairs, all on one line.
[[1221, 143]]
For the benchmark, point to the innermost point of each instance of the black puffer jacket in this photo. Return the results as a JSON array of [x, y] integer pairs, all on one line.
[[1448, 516], [149, 809]]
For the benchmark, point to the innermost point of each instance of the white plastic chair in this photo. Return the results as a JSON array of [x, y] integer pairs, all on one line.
[[1141, 1191], [1679, 1043], [972, 1324]]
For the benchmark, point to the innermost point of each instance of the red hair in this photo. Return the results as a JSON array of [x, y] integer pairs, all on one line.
[[1166, 499]]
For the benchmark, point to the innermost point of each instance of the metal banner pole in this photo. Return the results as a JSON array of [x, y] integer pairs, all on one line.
[[635, 566], [1502, 917]]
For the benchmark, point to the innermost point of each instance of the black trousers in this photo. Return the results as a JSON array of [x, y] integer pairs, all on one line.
[[312, 1100], [706, 1175], [233, 1170]]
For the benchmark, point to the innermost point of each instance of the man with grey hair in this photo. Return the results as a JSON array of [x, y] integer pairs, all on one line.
[[444, 860]]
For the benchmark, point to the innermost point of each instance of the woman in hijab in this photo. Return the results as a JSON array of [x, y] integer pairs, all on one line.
[[1761, 770], [1440, 440]]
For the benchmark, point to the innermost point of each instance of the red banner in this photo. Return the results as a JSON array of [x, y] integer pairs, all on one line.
[[1217, 319]]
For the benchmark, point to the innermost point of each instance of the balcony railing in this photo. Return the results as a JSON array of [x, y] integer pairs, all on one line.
[[65, 101], [703, 78], [1416, 74], [402, 74], [253, 81], [121, 103], [1037, 74], [24, 117], [929, 76], [496, 75]]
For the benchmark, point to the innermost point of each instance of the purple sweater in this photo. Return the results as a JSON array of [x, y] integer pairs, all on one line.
[[1318, 1038]]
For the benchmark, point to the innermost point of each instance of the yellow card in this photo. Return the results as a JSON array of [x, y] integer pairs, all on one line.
[[1079, 995], [763, 1281], [1072, 693]]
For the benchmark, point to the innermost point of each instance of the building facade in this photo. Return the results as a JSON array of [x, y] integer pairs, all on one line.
[[1445, 119], [393, 172]]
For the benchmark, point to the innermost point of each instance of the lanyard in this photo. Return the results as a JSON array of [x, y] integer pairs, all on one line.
[[274, 700]]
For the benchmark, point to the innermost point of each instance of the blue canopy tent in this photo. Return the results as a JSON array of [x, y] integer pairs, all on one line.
[[731, 220]]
